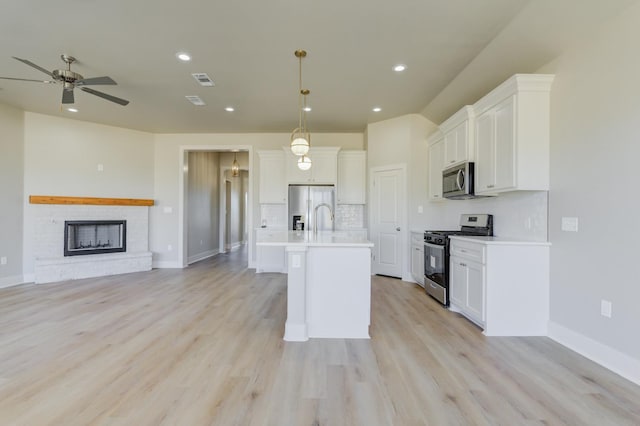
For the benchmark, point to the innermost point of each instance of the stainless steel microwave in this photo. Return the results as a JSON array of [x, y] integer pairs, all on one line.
[[457, 181]]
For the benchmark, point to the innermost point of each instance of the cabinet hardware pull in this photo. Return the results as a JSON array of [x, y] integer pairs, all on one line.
[[490, 186], [462, 250], [463, 264]]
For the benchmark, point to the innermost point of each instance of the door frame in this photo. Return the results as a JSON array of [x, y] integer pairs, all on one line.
[[182, 190], [404, 251]]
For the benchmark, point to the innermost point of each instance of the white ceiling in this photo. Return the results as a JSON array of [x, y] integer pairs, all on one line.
[[247, 48]]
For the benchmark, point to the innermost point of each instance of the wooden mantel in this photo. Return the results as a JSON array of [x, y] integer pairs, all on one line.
[[52, 199]]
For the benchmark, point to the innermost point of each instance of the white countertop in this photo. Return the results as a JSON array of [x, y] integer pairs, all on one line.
[[309, 239], [498, 240]]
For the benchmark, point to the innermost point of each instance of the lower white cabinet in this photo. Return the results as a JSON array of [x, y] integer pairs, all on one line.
[[501, 285], [417, 257]]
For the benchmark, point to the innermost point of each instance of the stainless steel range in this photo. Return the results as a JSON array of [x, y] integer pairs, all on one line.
[[436, 253]]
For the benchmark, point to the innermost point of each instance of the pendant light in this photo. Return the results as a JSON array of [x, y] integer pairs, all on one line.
[[300, 136], [235, 166], [304, 163]]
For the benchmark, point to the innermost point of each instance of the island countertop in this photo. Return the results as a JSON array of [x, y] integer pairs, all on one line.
[[311, 239]]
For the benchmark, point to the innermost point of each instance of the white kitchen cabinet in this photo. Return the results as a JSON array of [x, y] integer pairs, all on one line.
[[273, 183], [501, 285], [459, 137], [270, 258], [512, 136], [324, 167], [417, 257], [436, 164], [467, 281], [352, 172]]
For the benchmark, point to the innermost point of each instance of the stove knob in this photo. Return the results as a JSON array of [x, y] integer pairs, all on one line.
[[439, 241]]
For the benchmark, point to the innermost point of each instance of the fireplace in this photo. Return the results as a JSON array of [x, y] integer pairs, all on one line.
[[84, 237]]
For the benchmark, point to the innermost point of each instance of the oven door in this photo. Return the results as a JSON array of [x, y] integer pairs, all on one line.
[[435, 272]]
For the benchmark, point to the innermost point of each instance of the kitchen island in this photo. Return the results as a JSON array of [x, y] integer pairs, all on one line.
[[328, 283]]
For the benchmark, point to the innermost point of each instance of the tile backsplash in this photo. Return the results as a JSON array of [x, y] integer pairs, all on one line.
[[347, 216]]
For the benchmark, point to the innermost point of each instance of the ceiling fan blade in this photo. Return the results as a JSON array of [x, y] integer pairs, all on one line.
[[105, 96], [31, 64], [95, 81], [67, 96], [28, 79]]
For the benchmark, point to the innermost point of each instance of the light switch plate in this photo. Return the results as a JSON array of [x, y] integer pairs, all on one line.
[[420, 209], [296, 262], [605, 308], [168, 210], [570, 224]]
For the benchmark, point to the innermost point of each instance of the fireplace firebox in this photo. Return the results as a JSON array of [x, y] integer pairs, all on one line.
[[83, 237]]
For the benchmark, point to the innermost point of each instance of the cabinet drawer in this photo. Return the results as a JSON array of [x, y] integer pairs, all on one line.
[[470, 251]]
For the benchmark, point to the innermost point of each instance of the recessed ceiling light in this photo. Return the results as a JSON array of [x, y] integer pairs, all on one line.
[[183, 56], [72, 109], [377, 109], [307, 109], [399, 68], [229, 109]]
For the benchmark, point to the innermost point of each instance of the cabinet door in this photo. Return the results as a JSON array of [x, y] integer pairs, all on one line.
[[324, 167], [462, 142], [457, 282], [450, 145], [436, 162], [485, 152], [417, 262], [351, 177], [505, 144], [273, 185], [475, 291]]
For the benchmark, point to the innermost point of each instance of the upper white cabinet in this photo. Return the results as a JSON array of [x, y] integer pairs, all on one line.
[[324, 166], [436, 164], [273, 183], [352, 172], [512, 136], [459, 137]]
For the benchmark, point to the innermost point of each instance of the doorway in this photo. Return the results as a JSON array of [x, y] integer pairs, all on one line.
[[206, 222], [388, 219]]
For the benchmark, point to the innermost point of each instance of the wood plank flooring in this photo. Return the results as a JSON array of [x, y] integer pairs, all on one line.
[[203, 346]]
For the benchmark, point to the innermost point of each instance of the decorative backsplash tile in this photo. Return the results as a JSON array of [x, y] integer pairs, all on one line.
[[349, 216]]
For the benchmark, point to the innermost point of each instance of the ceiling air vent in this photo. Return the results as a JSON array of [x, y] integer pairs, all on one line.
[[203, 79], [195, 100]]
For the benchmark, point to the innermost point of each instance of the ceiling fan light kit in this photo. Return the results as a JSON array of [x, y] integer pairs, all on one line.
[[70, 80]]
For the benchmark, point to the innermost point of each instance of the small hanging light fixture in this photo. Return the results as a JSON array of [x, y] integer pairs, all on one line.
[[304, 163], [235, 166], [300, 136]]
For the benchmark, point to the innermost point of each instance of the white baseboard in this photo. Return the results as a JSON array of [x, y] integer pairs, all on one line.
[[201, 256], [164, 264], [29, 278], [12, 281], [608, 357]]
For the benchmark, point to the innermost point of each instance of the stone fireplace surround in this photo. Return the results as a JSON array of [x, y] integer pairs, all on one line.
[[50, 263]]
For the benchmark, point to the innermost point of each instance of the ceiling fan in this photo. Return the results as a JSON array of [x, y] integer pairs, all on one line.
[[70, 80]]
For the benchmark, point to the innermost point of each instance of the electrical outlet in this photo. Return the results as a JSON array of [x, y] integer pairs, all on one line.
[[605, 308], [3, 260], [169, 247], [570, 224], [420, 209], [167, 209], [100, 167]]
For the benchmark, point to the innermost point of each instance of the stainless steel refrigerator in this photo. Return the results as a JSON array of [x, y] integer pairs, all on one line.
[[303, 200]]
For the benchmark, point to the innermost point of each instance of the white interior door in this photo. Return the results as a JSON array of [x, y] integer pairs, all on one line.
[[387, 220]]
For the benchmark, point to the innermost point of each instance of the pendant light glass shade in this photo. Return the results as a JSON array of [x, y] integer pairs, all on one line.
[[304, 163], [235, 166], [300, 142]]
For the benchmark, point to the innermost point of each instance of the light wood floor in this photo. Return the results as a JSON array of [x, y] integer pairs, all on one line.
[[204, 346]]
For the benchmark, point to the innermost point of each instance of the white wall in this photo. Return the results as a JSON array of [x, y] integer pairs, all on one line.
[[11, 193], [595, 147], [62, 156]]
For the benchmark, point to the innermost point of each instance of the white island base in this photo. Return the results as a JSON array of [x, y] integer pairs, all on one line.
[[328, 286]]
